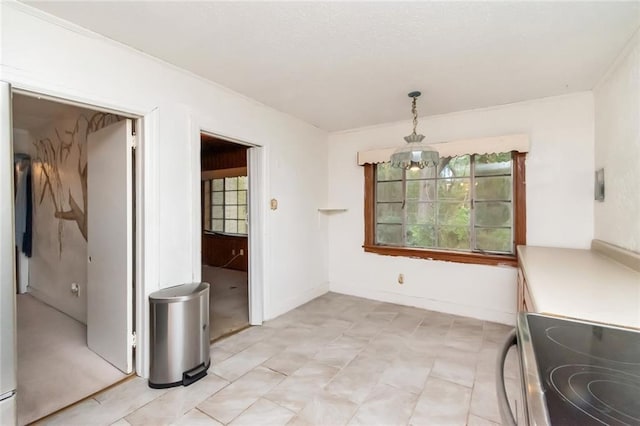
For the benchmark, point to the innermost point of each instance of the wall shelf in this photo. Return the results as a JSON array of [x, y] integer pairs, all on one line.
[[331, 210]]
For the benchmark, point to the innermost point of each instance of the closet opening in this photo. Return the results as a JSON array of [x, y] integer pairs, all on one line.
[[74, 235]]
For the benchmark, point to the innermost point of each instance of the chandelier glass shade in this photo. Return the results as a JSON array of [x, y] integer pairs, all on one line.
[[416, 154]]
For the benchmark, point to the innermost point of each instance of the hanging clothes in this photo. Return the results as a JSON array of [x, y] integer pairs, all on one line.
[[23, 203]]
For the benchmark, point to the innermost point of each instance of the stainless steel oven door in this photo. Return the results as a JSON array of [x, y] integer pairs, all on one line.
[[533, 407]]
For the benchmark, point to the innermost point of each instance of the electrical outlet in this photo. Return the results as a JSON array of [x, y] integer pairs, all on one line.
[[241, 252], [75, 289], [400, 278]]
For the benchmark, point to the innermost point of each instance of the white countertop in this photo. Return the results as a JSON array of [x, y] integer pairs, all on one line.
[[581, 284]]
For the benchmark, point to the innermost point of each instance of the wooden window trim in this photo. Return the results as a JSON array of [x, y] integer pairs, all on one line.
[[520, 225]]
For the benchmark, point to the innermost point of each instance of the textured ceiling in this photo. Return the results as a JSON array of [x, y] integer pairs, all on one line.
[[342, 65]]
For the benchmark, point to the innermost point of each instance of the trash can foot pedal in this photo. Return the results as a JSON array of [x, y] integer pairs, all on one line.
[[194, 374]]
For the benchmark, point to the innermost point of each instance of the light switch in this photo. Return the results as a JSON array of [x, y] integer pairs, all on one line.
[[274, 204]]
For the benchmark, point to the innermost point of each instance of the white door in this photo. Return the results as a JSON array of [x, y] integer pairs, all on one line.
[[7, 270], [109, 244]]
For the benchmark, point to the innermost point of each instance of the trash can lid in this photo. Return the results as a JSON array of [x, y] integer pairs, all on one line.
[[179, 293]]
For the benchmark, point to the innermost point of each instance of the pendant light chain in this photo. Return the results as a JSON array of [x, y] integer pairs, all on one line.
[[415, 115]]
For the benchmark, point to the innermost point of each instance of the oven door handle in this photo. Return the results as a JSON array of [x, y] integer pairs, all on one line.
[[503, 401]]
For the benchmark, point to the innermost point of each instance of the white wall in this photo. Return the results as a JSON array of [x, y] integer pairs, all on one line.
[[44, 54], [617, 149], [21, 141], [59, 249], [559, 205]]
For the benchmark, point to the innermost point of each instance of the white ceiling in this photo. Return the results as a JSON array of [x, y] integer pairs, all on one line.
[[342, 65], [31, 113]]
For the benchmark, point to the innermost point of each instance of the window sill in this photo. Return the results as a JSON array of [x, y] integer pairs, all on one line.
[[224, 234], [447, 256]]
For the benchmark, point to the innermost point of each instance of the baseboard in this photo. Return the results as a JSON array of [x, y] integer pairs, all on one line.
[[283, 306], [627, 257], [477, 312]]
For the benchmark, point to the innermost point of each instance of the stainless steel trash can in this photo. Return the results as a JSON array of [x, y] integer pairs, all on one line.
[[179, 335]]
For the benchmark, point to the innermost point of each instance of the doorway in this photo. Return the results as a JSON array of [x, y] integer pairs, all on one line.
[[74, 299], [225, 233]]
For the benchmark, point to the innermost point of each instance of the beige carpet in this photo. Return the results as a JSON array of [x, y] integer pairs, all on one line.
[[228, 300], [55, 366]]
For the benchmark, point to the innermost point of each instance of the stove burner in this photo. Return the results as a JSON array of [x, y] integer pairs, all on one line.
[[590, 341], [604, 394]]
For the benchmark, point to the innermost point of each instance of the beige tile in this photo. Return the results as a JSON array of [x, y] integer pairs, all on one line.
[[264, 412], [350, 342], [442, 403], [111, 405], [336, 356], [465, 334], [294, 392], [244, 361], [288, 319], [430, 331], [121, 422], [327, 409], [363, 329], [298, 389], [464, 339], [456, 366], [356, 380], [195, 417], [368, 362], [479, 421], [242, 340], [286, 362], [380, 318], [484, 401], [406, 375], [440, 318], [455, 371], [317, 371], [385, 405], [386, 345], [291, 334], [227, 404], [404, 324], [337, 323], [171, 406], [217, 355], [353, 385], [495, 332]]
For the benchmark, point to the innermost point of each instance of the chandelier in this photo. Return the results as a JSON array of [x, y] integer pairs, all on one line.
[[415, 154]]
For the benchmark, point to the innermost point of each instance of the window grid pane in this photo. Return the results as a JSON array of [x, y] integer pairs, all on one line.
[[229, 205], [466, 204]]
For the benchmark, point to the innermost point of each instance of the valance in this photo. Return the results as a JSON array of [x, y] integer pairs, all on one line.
[[506, 143]]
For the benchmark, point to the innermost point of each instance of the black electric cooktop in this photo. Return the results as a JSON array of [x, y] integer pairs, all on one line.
[[590, 373]]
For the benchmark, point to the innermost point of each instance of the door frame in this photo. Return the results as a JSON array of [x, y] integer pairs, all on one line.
[[256, 160], [146, 190]]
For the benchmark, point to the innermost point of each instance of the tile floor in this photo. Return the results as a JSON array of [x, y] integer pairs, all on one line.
[[335, 360]]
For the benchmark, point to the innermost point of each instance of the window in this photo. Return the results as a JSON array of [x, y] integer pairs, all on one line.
[[227, 199], [469, 209]]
